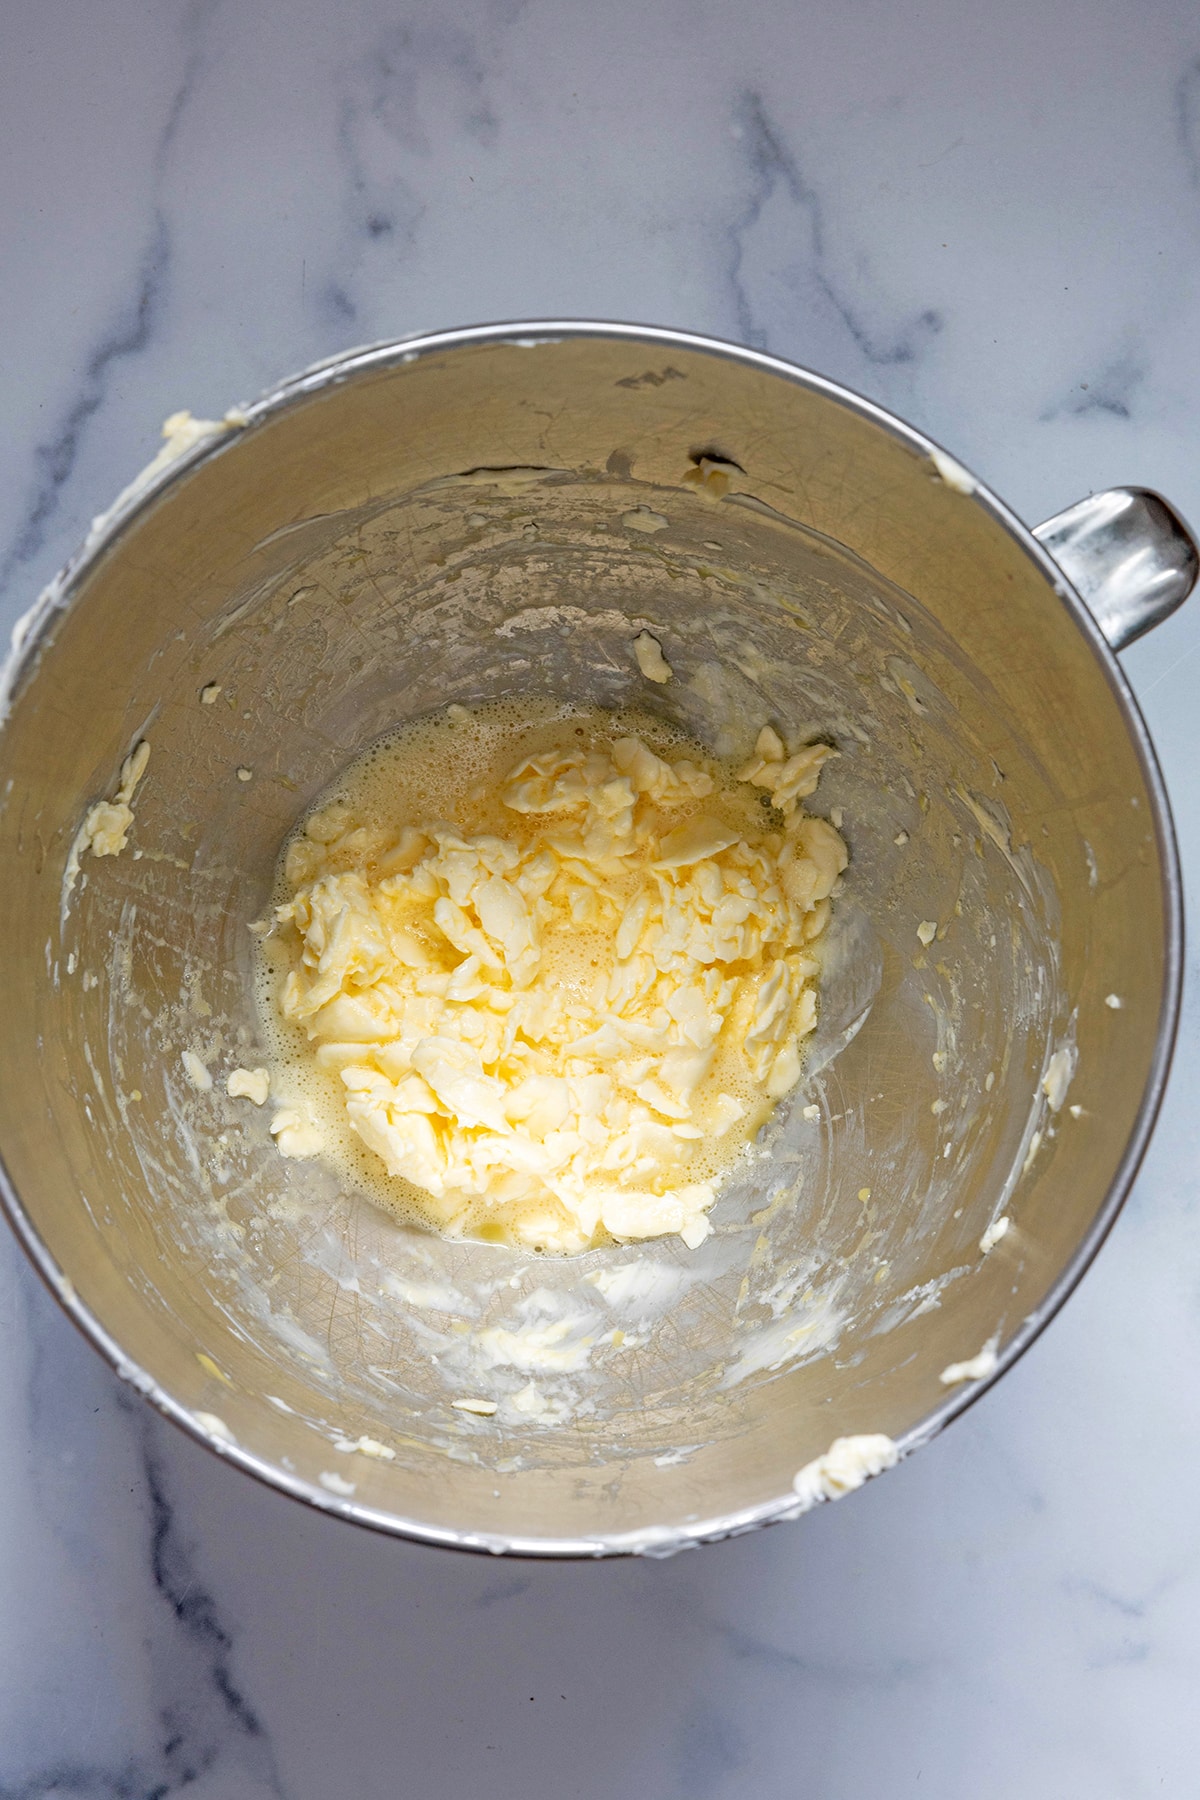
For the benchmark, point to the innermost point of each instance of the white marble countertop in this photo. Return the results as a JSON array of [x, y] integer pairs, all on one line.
[[989, 220]]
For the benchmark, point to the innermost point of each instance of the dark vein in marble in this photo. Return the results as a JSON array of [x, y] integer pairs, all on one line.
[[130, 332], [206, 1722], [503, 1590], [1130, 1645], [771, 164], [1187, 118], [409, 54], [1111, 391], [863, 1673], [709, 1749], [193, 1607], [417, 78], [55, 460]]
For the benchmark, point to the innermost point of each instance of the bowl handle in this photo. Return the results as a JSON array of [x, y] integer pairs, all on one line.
[[1128, 555]]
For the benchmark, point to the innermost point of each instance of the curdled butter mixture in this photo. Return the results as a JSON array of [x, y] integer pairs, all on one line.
[[541, 972]]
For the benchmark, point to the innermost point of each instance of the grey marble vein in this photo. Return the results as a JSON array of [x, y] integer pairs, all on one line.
[[711, 1749], [127, 334], [212, 1708], [822, 1669], [798, 246], [1111, 390], [419, 80], [1187, 118], [198, 1719], [54, 460], [205, 1723]]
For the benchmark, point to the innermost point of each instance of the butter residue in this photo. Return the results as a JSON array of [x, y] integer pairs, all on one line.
[[650, 658], [366, 1446], [296, 1133], [953, 473], [848, 1462], [711, 476], [975, 1368], [544, 1347], [336, 1484], [249, 1084], [215, 1426], [197, 1072], [644, 519], [1060, 1071], [560, 1022], [106, 825], [181, 434], [996, 1230]]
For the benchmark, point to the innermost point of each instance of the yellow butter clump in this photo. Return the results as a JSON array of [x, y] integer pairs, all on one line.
[[558, 1017]]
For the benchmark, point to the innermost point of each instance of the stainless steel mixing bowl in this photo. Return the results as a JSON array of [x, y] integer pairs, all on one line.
[[500, 511]]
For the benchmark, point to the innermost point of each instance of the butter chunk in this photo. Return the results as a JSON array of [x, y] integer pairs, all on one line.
[[106, 825], [296, 1134], [249, 1084], [846, 1465], [555, 1008], [788, 779], [650, 658]]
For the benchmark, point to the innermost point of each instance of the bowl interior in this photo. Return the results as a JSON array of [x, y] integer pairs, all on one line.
[[330, 581]]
